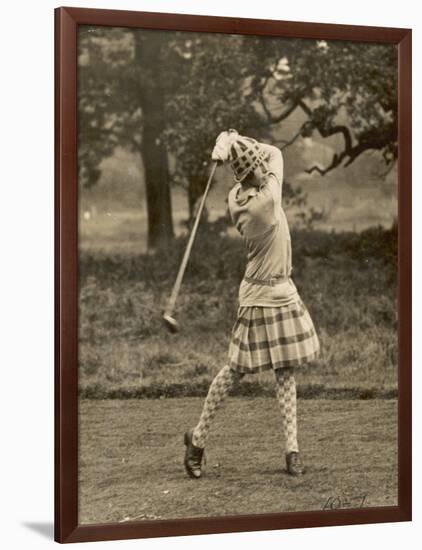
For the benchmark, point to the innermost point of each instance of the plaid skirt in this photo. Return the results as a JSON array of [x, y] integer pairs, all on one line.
[[272, 337]]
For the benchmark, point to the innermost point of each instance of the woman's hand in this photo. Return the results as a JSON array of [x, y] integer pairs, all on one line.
[[224, 141]]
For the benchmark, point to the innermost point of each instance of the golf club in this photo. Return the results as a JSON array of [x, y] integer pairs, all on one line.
[[168, 318]]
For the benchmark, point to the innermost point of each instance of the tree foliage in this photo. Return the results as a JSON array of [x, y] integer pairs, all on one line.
[[343, 88], [171, 93], [210, 97], [109, 109]]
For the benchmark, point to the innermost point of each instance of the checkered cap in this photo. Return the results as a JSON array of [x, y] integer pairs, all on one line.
[[245, 155]]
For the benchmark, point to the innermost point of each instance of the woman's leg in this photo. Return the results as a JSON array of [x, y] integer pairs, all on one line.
[[286, 395], [195, 439], [217, 393]]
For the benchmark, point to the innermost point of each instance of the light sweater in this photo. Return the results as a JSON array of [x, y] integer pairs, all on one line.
[[259, 217]]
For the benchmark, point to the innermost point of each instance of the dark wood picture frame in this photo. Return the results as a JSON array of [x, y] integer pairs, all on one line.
[[66, 276]]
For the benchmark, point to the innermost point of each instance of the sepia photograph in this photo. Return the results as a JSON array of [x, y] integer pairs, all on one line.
[[237, 274]]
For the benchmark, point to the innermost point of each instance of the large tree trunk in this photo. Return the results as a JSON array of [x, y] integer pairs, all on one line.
[[160, 224]]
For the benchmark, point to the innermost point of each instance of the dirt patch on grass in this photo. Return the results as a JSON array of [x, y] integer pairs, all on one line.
[[131, 458]]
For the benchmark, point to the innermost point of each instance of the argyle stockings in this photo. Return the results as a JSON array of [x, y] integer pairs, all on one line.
[[221, 386]]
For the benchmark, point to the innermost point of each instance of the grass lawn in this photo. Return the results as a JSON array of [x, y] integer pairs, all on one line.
[[347, 281], [131, 458], [131, 450]]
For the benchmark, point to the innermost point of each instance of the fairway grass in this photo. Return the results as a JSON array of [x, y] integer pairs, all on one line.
[[131, 458]]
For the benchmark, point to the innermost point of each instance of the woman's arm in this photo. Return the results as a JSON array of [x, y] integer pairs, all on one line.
[[274, 160], [274, 163]]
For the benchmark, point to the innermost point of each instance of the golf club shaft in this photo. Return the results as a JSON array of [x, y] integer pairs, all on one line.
[[174, 293]]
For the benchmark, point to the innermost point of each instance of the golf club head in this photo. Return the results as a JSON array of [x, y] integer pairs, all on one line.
[[171, 323]]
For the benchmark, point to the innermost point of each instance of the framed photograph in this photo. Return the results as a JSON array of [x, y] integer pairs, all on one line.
[[233, 274]]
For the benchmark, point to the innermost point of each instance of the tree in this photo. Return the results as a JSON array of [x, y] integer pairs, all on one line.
[[210, 97], [163, 93], [344, 88], [159, 93], [152, 88], [255, 84], [122, 91]]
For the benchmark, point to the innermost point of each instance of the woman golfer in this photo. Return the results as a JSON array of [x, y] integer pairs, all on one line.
[[273, 329]]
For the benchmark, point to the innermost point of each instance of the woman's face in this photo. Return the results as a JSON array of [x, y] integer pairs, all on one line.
[[257, 176], [251, 180]]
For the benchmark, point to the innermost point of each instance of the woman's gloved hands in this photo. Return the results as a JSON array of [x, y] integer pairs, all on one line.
[[224, 141]]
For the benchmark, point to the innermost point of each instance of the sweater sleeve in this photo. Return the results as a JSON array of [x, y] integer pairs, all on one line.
[[274, 160]]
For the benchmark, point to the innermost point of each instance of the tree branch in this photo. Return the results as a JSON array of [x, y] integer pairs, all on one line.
[[262, 100], [271, 118], [287, 143], [332, 130], [337, 159], [350, 151], [285, 113]]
